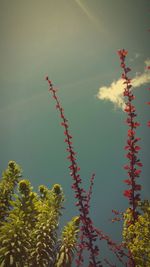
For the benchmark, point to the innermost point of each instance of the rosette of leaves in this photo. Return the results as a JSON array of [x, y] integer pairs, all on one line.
[[9, 180], [45, 232], [68, 244], [137, 236]]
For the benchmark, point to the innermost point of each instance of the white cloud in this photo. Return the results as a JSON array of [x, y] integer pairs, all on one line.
[[114, 92], [141, 79]]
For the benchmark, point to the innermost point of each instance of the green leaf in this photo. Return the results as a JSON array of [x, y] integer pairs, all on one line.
[[11, 260]]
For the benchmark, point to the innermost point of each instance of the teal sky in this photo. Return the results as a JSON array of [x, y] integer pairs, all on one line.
[[75, 43]]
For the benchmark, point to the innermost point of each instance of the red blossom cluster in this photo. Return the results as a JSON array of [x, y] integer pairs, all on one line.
[[83, 198], [132, 155], [89, 234], [82, 244], [132, 168]]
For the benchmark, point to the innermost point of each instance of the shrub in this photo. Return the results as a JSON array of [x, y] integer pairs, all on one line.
[[29, 224]]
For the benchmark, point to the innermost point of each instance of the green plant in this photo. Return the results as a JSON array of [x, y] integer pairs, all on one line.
[[137, 236], [28, 233]]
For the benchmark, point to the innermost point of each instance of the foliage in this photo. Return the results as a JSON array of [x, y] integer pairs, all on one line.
[[68, 244], [137, 236], [10, 178], [28, 233]]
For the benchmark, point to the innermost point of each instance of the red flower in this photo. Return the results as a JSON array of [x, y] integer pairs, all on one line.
[[137, 148], [133, 173], [64, 124], [127, 193], [131, 133], [137, 139], [127, 109], [122, 65], [139, 164], [129, 156], [148, 124], [61, 115], [122, 52], [83, 199], [126, 167], [135, 124], [137, 172], [128, 182]]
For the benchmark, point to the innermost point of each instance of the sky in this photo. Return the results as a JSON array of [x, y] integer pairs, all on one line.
[[75, 43]]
